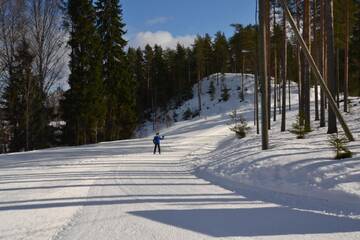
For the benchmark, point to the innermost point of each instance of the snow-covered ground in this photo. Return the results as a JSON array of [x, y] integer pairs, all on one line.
[[206, 184]]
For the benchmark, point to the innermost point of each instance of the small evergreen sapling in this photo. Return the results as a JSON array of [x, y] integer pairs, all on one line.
[[187, 114], [339, 145], [239, 124], [211, 91], [225, 93], [299, 129]]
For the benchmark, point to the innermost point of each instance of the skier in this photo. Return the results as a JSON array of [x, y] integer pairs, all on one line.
[[156, 142]]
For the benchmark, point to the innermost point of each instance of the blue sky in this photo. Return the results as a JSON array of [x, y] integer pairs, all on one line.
[[167, 21]]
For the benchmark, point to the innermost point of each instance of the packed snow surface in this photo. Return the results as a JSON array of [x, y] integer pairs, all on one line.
[[206, 184]]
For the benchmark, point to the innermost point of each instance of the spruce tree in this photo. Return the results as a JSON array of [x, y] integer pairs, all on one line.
[[181, 73], [120, 88], [137, 69], [160, 83], [221, 52], [83, 105], [209, 55]]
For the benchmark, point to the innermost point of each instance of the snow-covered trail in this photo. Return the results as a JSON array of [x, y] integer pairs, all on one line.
[[120, 190]]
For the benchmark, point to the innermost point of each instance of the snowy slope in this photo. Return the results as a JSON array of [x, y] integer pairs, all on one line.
[[206, 184], [304, 167]]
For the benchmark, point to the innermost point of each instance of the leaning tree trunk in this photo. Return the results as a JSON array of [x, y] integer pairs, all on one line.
[[316, 71], [330, 49]]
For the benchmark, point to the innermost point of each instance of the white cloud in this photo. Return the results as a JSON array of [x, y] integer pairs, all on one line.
[[163, 38], [158, 20]]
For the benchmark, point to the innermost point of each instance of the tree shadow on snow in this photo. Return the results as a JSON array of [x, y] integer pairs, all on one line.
[[251, 222]]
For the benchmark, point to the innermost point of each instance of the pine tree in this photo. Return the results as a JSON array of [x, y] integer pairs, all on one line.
[[221, 53], [209, 55], [148, 65], [200, 65], [83, 105], [181, 73], [236, 47], [160, 83], [119, 83]]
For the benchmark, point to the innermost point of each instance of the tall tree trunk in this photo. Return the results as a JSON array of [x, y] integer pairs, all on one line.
[[289, 92], [332, 127], [275, 67], [257, 70], [322, 62], [275, 85], [315, 52], [306, 77], [263, 73], [284, 74], [346, 56], [338, 77], [199, 91], [298, 59], [268, 60], [257, 101], [27, 116], [242, 77]]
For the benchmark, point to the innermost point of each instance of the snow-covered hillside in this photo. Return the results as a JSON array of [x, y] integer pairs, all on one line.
[[304, 167], [296, 166], [206, 184]]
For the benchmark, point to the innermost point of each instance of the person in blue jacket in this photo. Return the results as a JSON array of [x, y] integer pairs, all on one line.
[[156, 142]]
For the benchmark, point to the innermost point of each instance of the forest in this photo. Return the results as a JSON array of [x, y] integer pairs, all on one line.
[[113, 88]]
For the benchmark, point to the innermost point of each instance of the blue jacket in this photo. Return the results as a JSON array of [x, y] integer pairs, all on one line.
[[157, 139]]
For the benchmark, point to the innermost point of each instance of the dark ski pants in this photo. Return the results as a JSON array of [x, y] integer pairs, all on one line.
[[157, 146]]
